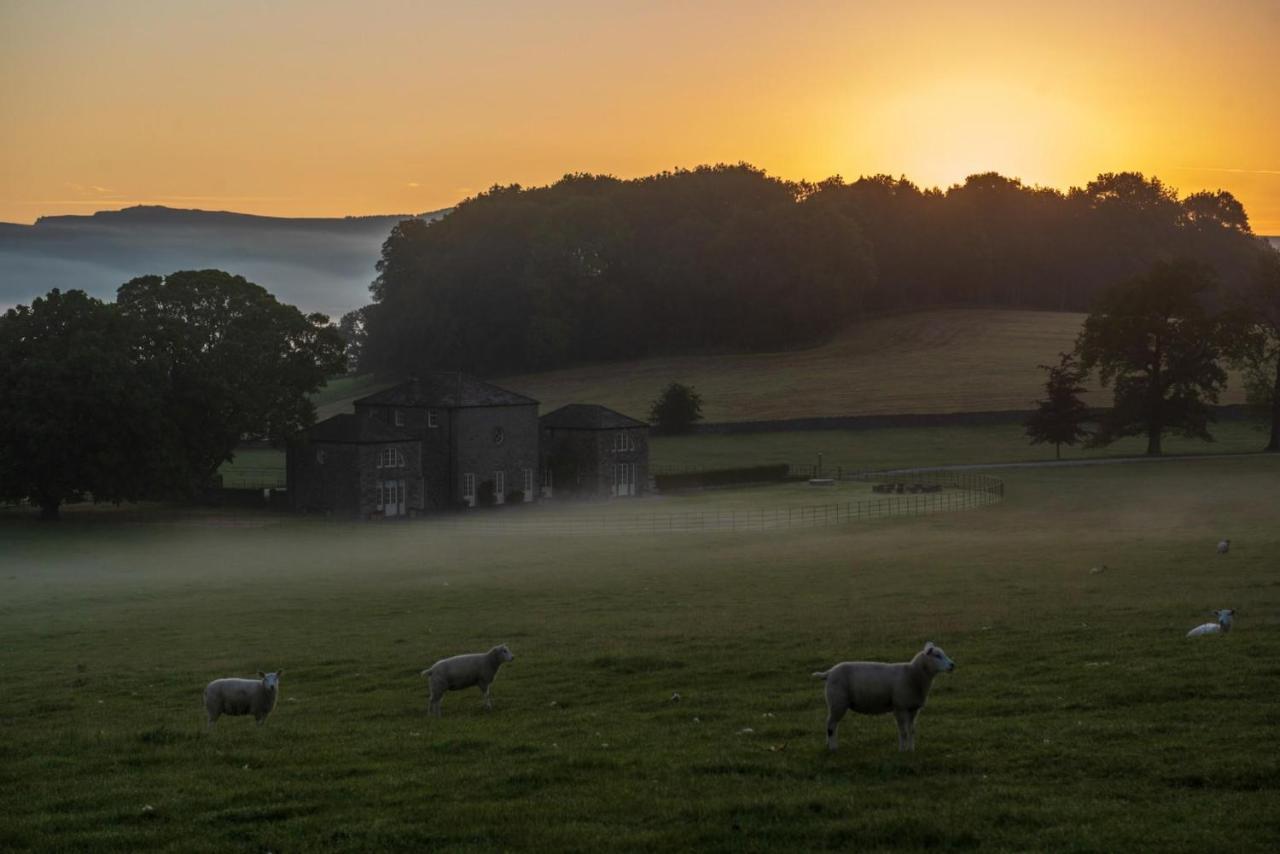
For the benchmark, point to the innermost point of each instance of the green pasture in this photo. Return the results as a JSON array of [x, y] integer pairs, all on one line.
[[1079, 718], [887, 447]]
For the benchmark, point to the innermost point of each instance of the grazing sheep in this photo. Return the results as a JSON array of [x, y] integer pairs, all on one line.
[[874, 688], [463, 671], [1224, 546], [255, 697], [1223, 625]]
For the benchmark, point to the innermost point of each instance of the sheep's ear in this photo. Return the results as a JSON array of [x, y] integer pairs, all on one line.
[[261, 675], [279, 673], [928, 645]]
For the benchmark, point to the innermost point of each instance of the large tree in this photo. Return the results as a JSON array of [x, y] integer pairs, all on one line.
[[234, 362], [1156, 343], [78, 415], [1060, 418], [1257, 348]]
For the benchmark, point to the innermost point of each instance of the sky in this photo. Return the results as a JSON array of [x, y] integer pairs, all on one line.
[[318, 108]]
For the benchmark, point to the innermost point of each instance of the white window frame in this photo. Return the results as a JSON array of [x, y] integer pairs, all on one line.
[[623, 441], [547, 484], [433, 419], [469, 488], [390, 458], [499, 487], [528, 484], [399, 417]]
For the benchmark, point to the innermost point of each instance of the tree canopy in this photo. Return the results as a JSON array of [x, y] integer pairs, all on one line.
[[78, 415], [1154, 340], [677, 409], [729, 258], [147, 396], [234, 363]]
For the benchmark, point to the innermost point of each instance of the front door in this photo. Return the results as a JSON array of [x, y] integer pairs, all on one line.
[[393, 498]]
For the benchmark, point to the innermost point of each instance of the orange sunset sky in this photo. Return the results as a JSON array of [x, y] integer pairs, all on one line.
[[328, 108]]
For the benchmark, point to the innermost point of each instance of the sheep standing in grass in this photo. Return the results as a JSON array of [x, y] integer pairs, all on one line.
[[463, 671], [1224, 546], [1222, 626], [255, 697], [875, 688]]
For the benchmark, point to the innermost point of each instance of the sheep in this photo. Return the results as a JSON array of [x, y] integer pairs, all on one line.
[[463, 671], [255, 697], [1224, 546], [874, 688], [1222, 626]]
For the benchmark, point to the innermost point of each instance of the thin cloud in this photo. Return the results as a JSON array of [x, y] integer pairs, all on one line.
[[414, 184]]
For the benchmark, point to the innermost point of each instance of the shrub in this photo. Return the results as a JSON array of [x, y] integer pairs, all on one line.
[[486, 495], [721, 477], [515, 496]]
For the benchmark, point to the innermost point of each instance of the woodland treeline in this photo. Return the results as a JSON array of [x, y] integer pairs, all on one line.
[[727, 257]]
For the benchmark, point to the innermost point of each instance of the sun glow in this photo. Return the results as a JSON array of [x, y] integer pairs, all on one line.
[[944, 130]]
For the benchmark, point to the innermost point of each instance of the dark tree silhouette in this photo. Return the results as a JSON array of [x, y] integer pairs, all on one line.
[[233, 362], [1154, 341], [676, 409], [1061, 417], [78, 416], [1257, 344], [728, 258]]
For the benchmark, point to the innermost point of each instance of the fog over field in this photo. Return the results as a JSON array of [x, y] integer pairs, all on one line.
[[316, 264]]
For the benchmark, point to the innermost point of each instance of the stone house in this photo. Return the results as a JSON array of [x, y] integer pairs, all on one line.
[[437, 441], [590, 451]]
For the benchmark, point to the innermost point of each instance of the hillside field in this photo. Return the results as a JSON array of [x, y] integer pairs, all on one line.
[[1079, 717], [956, 360]]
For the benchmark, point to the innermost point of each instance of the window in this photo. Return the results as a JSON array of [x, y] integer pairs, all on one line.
[[499, 487], [624, 479], [433, 418], [623, 441], [546, 482], [469, 488], [320, 457], [528, 484], [390, 458], [499, 435], [399, 418]]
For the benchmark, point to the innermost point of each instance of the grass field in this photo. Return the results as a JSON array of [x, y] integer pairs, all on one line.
[[888, 447], [935, 361], [1079, 718]]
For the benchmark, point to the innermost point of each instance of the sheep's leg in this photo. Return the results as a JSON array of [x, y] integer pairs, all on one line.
[[904, 729], [488, 701], [836, 707], [433, 707], [911, 732]]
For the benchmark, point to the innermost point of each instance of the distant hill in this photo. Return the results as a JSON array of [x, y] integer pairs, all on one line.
[[318, 264]]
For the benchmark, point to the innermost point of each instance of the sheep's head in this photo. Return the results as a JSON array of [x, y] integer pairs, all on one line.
[[271, 680], [1224, 615], [505, 654], [935, 660]]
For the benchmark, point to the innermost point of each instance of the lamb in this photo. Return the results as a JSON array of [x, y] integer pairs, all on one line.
[[874, 688], [255, 697], [1224, 546], [463, 671], [1222, 626]]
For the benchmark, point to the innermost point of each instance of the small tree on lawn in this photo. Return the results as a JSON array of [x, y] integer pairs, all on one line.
[[676, 410], [1061, 418]]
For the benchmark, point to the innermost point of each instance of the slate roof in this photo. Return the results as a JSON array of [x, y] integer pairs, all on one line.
[[588, 416], [446, 390], [349, 428]]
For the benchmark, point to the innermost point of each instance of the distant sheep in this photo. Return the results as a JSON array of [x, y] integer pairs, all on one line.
[[255, 697], [463, 671], [1222, 626], [874, 688], [1224, 546]]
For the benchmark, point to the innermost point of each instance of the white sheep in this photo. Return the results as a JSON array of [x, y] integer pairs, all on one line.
[[1224, 546], [1222, 626], [255, 697], [875, 688], [463, 671]]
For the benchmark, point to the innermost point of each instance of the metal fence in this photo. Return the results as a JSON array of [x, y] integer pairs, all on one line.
[[955, 491]]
